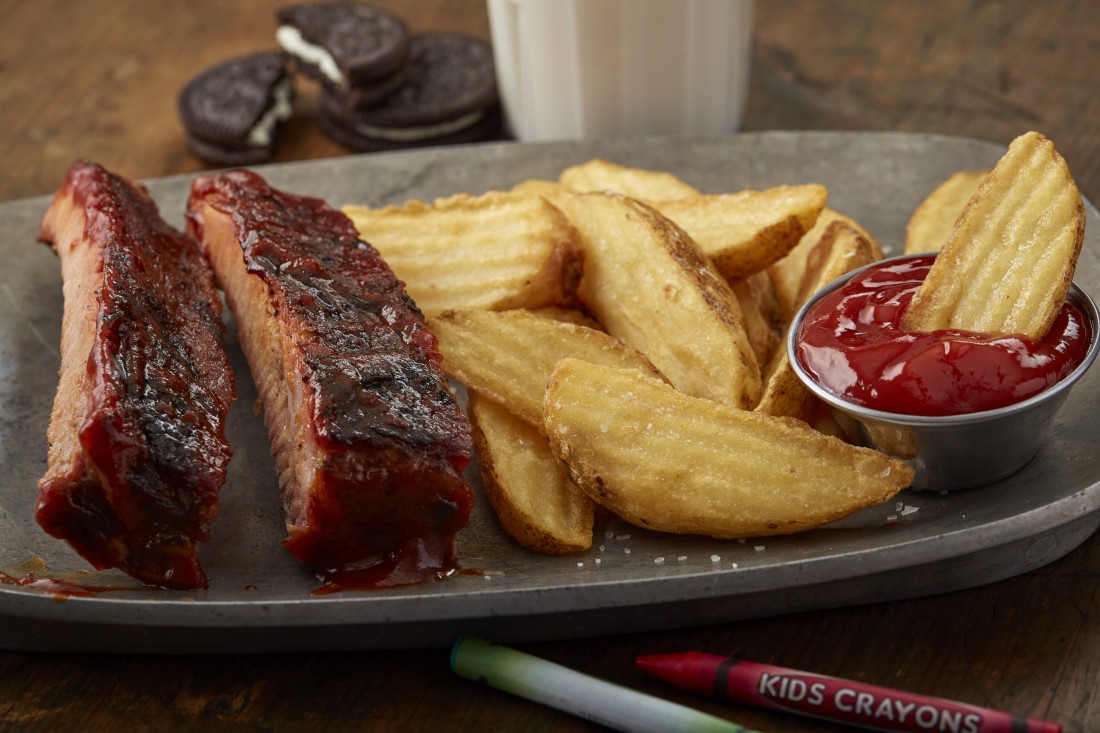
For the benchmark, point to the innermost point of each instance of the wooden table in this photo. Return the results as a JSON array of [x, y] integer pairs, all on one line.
[[98, 79]]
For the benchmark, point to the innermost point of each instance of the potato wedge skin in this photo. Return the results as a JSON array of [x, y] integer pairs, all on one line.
[[1011, 257], [509, 355], [537, 503], [648, 283], [494, 251], [667, 461]]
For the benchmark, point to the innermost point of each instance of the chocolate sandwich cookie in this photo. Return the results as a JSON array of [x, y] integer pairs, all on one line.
[[449, 96], [233, 111], [343, 44]]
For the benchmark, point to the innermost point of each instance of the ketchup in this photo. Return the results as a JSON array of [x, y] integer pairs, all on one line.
[[852, 344]]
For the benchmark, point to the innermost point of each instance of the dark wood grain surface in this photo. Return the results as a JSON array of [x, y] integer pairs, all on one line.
[[98, 79]]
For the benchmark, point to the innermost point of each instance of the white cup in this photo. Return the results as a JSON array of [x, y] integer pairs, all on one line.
[[571, 69]]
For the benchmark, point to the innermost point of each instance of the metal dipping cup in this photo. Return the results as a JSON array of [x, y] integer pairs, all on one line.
[[955, 451]]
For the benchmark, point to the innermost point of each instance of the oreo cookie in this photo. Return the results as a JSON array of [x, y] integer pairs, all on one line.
[[449, 95], [233, 112], [343, 44]]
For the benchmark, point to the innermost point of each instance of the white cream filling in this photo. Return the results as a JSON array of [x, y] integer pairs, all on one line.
[[292, 42], [260, 135], [413, 134]]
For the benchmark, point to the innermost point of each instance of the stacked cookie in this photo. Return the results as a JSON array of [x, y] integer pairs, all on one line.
[[381, 87]]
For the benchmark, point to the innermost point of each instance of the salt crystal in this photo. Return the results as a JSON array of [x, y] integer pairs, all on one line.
[[892, 518], [603, 427], [758, 548], [681, 558], [626, 550], [658, 560], [909, 509], [622, 537], [609, 534], [733, 564], [580, 565], [716, 558], [598, 561]]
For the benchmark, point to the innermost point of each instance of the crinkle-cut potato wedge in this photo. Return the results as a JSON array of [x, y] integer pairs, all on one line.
[[668, 461], [841, 249], [759, 310], [1010, 260], [508, 355], [602, 175], [537, 503], [932, 221], [745, 232], [496, 250], [786, 274], [649, 284]]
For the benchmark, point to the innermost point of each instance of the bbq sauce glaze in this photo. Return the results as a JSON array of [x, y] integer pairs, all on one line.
[[389, 495], [852, 343]]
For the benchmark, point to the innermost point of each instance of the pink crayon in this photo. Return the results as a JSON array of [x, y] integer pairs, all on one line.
[[830, 698]]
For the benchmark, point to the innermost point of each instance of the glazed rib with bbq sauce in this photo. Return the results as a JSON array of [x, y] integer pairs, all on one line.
[[369, 443], [137, 450]]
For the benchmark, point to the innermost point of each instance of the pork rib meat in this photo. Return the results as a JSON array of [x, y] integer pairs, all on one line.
[[137, 450], [369, 443]]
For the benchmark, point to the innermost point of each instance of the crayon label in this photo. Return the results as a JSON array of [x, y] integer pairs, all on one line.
[[863, 705]]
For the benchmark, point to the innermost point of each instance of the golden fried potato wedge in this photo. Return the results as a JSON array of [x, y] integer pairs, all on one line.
[[759, 309], [668, 461], [508, 355], [497, 250], [933, 220], [787, 273], [649, 284], [1010, 260], [841, 249], [602, 175], [745, 232], [537, 503]]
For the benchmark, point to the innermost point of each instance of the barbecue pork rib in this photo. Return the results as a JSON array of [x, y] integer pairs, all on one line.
[[369, 443], [137, 450]]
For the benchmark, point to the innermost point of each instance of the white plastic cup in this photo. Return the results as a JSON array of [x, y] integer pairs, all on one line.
[[570, 69]]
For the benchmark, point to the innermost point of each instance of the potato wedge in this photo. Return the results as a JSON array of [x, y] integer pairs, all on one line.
[[841, 249], [668, 461], [760, 309], [746, 232], [602, 175], [1010, 260], [508, 355], [933, 220], [537, 503], [787, 273], [497, 250], [649, 284]]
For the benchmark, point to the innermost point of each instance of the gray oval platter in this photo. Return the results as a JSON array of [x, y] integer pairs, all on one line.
[[632, 580]]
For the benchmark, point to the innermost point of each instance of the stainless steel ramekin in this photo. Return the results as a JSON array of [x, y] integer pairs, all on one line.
[[956, 451]]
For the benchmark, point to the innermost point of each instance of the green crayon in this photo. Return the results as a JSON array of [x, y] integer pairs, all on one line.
[[587, 697]]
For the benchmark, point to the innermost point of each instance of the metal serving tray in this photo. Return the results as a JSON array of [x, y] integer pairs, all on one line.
[[632, 580]]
